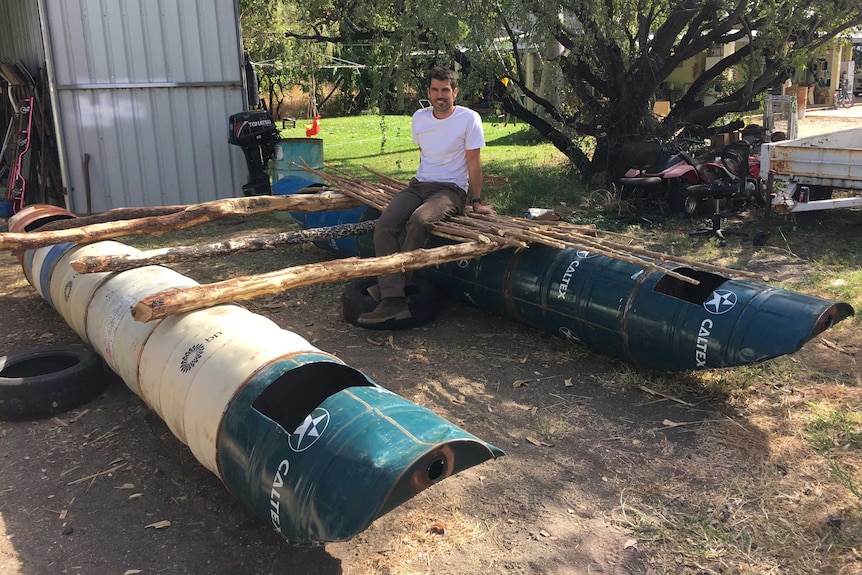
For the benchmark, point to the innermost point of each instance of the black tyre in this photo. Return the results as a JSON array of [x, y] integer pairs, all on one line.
[[423, 301], [46, 381], [680, 199]]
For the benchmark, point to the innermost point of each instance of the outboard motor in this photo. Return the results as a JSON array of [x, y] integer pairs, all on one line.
[[255, 132]]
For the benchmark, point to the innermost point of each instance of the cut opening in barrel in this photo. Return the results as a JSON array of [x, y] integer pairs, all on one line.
[[833, 315], [35, 225], [683, 290], [290, 398]]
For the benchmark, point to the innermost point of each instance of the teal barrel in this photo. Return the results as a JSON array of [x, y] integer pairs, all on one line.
[[630, 312], [292, 153], [643, 316], [327, 473], [350, 245]]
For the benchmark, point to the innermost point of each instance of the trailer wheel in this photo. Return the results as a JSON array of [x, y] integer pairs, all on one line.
[[422, 296], [43, 382]]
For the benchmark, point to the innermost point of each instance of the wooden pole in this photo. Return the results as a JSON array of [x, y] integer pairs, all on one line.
[[110, 216], [189, 217], [118, 263], [176, 301]]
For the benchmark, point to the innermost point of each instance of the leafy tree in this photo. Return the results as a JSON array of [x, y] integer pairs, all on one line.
[[609, 58], [263, 23], [392, 39], [618, 53]]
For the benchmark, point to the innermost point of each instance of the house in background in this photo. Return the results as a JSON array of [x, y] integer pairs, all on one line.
[[138, 94], [819, 78], [824, 71]]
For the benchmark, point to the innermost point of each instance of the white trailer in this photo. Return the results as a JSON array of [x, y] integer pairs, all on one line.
[[820, 164]]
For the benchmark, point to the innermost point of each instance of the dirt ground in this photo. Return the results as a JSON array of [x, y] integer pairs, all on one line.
[[557, 507]]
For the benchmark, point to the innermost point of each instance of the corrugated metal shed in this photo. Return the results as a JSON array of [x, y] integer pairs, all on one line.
[[20, 34], [145, 88]]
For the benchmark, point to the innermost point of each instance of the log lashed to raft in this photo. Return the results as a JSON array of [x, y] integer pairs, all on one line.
[[180, 300], [189, 217], [162, 256]]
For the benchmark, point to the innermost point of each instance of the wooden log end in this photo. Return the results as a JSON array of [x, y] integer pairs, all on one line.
[[141, 312], [79, 266]]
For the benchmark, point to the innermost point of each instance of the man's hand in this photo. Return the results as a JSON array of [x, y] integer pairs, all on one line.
[[483, 209]]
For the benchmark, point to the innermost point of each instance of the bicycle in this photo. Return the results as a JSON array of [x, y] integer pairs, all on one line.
[[842, 98]]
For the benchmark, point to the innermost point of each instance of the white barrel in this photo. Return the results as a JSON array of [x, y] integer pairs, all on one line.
[[42, 267], [71, 292], [178, 348], [218, 380], [111, 329]]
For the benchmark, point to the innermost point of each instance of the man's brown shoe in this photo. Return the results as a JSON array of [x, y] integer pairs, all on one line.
[[374, 291], [389, 308]]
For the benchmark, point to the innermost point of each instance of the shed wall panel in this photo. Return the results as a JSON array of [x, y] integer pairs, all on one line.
[[21, 34], [136, 41], [150, 147], [145, 88]]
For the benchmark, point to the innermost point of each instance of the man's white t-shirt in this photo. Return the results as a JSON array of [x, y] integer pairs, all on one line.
[[443, 144]]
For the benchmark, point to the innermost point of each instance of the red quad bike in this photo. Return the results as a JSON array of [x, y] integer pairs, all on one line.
[[659, 172]]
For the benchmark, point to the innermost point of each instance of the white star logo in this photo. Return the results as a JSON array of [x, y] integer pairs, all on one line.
[[569, 335], [721, 301], [309, 431]]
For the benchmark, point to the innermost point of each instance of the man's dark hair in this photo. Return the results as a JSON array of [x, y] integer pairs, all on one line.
[[441, 73]]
